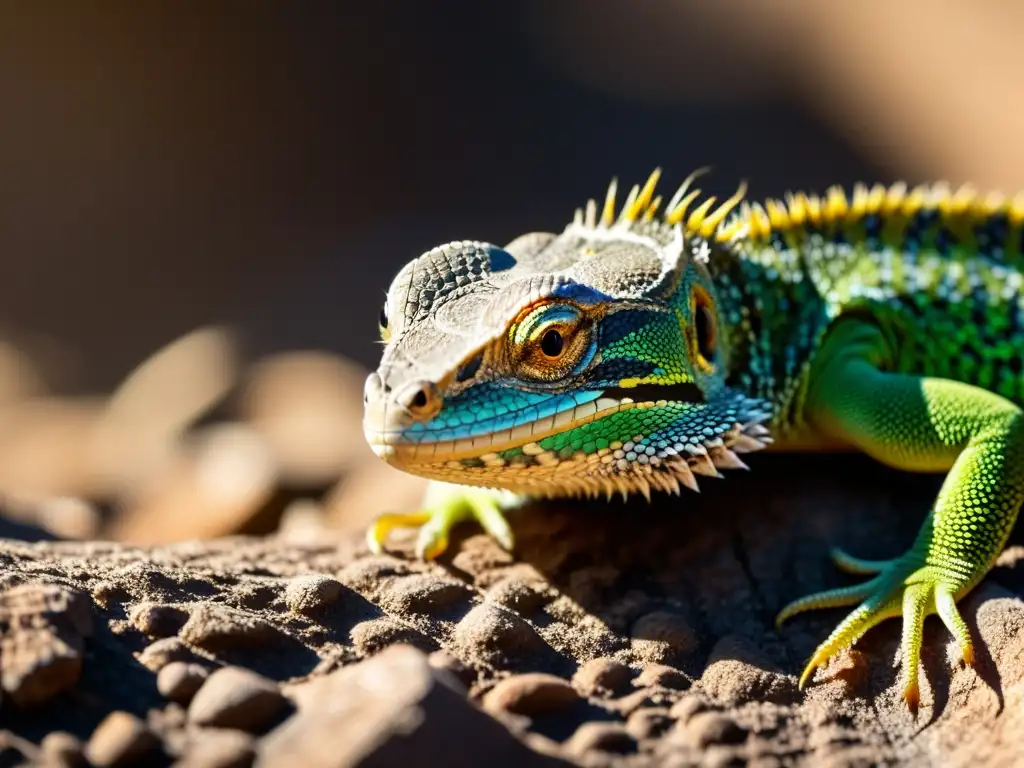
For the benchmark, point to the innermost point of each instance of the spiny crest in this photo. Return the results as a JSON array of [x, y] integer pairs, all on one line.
[[877, 210], [894, 207], [641, 204]]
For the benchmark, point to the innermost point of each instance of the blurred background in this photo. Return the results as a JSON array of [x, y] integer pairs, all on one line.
[[201, 207]]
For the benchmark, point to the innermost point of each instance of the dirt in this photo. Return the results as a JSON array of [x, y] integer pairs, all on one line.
[[615, 634]]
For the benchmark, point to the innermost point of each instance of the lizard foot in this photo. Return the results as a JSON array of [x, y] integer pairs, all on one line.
[[900, 587], [444, 506]]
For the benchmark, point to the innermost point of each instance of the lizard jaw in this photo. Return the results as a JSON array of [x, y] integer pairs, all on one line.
[[390, 446], [524, 465]]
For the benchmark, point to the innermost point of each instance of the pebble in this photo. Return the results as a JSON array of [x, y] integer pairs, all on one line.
[[157, 620], [663, 637], [311, 594], [426, 595], [648, 722], [373, 635], [687, 707], [367, 573], [121, 739], [733, 683], [60, 749], [663, 676], [602, 677], [706, 728], [180, 680], [219, 748], [108, 593], [158, 655], [518, 595], [218, 628], [496, 635], [233, 697], [531, 694], [600, 737], [633, 701]]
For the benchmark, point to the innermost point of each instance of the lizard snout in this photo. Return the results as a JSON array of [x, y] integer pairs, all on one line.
[[390, 409]]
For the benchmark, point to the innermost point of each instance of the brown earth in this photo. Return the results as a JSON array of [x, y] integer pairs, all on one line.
[[616, 635], [184, 581]]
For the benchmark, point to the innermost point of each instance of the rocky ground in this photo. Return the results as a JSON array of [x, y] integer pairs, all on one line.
[[137, 626]]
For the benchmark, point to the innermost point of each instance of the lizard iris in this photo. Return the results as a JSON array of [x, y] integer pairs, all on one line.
[[637, 350]]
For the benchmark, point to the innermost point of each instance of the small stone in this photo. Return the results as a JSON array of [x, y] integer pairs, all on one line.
[[61, 749], [312, 594], [706, 728], [179, 681], [215, 627], [663, 676], [530, 694], [687, 707], [219, 748], [426, 595], [738, 672], [648, 722], [373, 635], [367, 573], [158, 620], [158, 655], [518, 595], [496, 636], [600, 737], [233, 697], [664, 638], [121, 739], [107, 594], [631, 702], [602, 677]]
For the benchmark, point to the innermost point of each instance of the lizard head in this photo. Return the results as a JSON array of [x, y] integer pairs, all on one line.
[[576, 363]]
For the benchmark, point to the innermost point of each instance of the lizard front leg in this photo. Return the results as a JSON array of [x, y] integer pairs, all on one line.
[[444, 506], [921, 424]]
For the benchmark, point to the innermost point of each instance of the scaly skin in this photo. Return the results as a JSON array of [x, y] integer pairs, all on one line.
[[635, 351]]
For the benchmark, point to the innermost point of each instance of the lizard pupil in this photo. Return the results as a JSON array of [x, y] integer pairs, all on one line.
[[384, 317], [552, 344]]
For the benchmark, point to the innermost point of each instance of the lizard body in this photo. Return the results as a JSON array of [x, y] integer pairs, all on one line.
[[638, 350]]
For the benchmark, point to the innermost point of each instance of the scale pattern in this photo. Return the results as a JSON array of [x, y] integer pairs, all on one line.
[[644, 346]]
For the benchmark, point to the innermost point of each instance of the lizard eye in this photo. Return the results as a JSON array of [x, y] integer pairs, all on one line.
[[552, 342]]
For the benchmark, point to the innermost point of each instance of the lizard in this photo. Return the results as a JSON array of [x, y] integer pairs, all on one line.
[[643, 347]]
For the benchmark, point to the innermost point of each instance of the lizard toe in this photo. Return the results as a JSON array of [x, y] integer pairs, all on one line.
[[903, 587], [444, 508]]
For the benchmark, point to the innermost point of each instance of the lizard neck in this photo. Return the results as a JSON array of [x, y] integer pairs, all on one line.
[[773, 318]]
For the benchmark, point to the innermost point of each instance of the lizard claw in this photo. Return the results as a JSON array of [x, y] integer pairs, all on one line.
[[902, 587]]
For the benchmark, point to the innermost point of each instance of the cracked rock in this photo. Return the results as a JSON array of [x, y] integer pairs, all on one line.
[[43, 628]]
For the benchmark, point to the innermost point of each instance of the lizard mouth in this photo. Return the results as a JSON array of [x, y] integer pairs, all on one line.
[[397, 448]]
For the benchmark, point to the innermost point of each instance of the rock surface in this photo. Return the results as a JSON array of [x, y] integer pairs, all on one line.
[[612, 636]]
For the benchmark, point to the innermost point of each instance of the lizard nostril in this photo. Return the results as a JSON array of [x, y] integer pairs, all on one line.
[[423, 402], [419, 400]]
